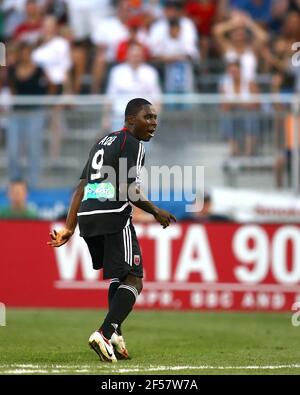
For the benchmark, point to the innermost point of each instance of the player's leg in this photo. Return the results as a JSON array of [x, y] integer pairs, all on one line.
[[97, 342], [125, 262], [117, 340], [122, 304], [120, 307], [113, 286]]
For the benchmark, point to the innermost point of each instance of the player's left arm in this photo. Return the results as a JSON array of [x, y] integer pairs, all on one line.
[[139, 199], [135, 156], [58, 238]]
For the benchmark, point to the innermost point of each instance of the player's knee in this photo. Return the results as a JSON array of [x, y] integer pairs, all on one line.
[[135, 282]]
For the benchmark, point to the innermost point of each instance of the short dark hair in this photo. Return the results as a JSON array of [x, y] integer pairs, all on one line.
[[14, 181], [135, 105], [17, 181]]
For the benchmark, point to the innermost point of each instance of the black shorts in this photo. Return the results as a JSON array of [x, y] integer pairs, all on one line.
[[118, 254]]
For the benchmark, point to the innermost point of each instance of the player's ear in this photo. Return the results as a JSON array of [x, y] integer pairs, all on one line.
[[131, 119]]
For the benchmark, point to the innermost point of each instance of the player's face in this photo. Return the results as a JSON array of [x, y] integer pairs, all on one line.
[[145, 123]]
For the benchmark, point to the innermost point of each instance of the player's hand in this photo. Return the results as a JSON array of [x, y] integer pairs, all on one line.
[[59, 238], [164, 218]]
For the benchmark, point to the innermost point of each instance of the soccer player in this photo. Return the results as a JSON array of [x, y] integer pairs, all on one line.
[[101, 203]]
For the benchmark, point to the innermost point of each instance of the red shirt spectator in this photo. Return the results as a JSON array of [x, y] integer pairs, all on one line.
[[202, 12], [29, 33], [30, 30], [134, 25]]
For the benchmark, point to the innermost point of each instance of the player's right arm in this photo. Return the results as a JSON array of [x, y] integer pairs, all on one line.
[[58, 238]]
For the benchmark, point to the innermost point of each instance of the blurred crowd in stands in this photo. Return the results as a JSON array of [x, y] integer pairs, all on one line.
[[83, 46]]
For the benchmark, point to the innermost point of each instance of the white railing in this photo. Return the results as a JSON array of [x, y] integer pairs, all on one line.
[[93, 104], [192, 98]]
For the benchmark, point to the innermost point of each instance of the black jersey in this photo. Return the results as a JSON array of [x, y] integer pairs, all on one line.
[[114, 160]]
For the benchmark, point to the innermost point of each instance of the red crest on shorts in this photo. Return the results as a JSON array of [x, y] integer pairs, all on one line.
[[136, 260]]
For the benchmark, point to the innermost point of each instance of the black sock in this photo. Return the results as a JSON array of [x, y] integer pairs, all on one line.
[[121, 305], [113, 286]]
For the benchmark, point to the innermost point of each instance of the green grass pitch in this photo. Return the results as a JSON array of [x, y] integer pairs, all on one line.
[[55, 342]]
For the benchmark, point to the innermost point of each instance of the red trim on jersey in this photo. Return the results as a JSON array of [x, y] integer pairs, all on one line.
[[119, 131], [125, 137]]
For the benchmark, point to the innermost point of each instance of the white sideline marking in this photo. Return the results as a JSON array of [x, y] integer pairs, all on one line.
[[31, 368], [31, 371], [207, 367]]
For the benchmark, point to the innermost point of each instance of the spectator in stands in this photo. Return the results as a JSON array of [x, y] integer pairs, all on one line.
[[133, 78], [85, 17], [135, 26], [203, 13], [30, 30], [107, 43], [239, 118], [277, 60], [291, 27], [232, 38], [285, 144], [291, 35], [13, 16], [54, 56], [259, 10], [279, 11], [160, 30], [177, 55], [203, 211], [17, 196], [26, 123]]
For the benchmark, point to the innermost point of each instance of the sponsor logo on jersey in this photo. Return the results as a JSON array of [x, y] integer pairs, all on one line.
[[103, 190]]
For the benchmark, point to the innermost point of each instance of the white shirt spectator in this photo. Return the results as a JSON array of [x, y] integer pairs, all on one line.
[[55, 58], [174, 44], [126, 83], [103, 36], [247, 60], [14, 14], [177, 47], [86, 15], [159, 35]]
